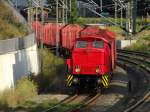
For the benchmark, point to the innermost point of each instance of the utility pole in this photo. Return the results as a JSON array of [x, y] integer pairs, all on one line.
[[134, 14], [36, 18], [132, 7], [70, 6], [101, 5], [115, 12], [66, 11], [16, 4], [121, 16], [29, 12], [63, 11], [42, 21], [129, 25], [57, 49]]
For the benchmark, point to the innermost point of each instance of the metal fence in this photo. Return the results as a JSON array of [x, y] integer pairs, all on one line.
[[16, 44]]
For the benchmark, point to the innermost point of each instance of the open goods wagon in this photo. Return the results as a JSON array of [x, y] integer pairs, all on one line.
[[37, 27], [69, 34], [66, 34]]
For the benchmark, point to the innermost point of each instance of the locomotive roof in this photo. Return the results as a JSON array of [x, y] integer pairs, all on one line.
[[95, 33], [92, 38]]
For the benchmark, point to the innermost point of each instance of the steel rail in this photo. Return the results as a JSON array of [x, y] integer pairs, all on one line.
[[132, 57], [86, 101], [66, 100], [90, 99], [135, 53]]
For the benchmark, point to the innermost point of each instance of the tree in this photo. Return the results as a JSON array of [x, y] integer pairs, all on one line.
[[74, 12]]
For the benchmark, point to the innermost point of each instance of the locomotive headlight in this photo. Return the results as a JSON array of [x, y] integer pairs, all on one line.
[[97, 70], [77, 69]]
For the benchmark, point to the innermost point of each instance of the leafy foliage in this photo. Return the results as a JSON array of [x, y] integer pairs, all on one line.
[[25, 89], [9, 26], [143, 42], [74, 12], [51, 65]]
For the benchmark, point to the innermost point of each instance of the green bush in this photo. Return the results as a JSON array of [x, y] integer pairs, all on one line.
[[24, 90], [51, 66], [142, 44], [9, 25], [83, 21]]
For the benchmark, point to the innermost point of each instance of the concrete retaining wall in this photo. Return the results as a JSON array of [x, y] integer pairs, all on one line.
[[124, 43], [18, 57]]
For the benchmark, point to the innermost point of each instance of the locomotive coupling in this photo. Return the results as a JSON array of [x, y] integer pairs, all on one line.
[[99, 81], [75, 81]]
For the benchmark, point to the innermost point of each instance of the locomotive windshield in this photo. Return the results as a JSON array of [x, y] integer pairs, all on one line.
[[98, 44], [81, 44]]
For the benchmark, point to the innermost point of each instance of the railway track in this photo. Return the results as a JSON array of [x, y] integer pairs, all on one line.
[[140, 61], [85, 103], [65, 101], [84, 100], [135, 60]]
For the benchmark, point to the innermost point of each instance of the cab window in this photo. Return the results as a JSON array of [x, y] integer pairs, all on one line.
[[81, 44], [98, 44]]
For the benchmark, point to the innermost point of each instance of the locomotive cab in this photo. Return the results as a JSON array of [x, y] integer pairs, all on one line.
[[88, 57], [89, 62]]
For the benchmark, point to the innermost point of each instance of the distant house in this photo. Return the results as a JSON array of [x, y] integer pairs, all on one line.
[[37, 11], [22, 6]]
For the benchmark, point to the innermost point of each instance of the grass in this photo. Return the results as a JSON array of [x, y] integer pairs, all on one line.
[[22, 97], [143, 38], [46, 105], [34, 106], [24, 90], [119, 32], [83, 21], [143, 42], [9, 26], [51, 66]]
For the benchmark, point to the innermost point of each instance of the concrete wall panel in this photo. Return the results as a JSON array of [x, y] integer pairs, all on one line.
[[17, 60], [124, 43]]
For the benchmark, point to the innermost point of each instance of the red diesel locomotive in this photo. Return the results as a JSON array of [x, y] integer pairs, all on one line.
[[93, 59], [93, 52]]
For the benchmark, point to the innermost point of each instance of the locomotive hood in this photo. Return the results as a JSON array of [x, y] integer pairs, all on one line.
[[88, 60]]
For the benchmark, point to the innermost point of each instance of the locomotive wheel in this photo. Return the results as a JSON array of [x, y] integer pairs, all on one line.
[[73, 90], [111, 76], [99, 89]]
